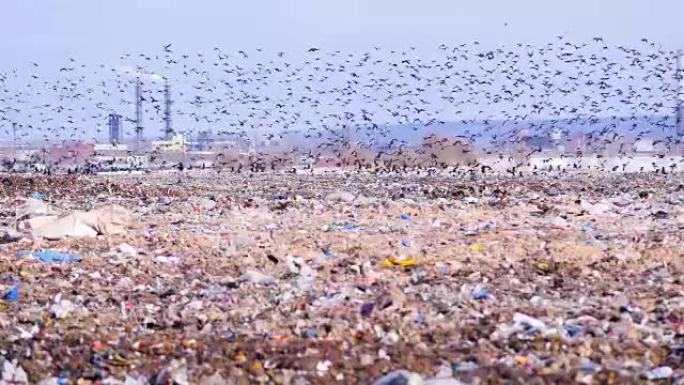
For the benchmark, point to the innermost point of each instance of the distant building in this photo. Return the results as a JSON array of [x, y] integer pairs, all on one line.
[[642, 146], [69, 155], [553, 140], [221, 146], [306, 160], [110, 147], [578, 143], [115, 129], [178, 143], [648, 146], [558, 138], [200, 159], [557, 134], [203, 141]]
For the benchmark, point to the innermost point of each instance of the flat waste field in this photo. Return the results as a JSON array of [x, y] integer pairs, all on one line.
[[323, 279]]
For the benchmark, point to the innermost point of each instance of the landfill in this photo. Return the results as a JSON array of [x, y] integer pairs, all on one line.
[[341, 278]]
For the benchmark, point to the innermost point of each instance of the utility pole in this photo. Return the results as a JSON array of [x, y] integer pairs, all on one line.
[[14, 141], [138, 113], [347, 131]]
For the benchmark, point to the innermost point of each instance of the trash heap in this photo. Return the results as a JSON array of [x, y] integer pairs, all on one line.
[[341, 278]]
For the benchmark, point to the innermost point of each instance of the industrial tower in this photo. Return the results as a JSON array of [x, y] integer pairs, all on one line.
[[138, 113], [168, 129], [115, 131]]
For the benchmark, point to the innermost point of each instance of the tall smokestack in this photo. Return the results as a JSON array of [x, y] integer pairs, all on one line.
[[168, 130], [138, 112]]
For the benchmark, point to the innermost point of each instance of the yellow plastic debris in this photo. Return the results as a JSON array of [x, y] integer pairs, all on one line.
[[393, 262], [543, 266], [477, 248]]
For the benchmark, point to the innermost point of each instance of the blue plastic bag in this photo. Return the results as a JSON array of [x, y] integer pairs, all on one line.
[[12, 294], [50, 256], [39, 196]]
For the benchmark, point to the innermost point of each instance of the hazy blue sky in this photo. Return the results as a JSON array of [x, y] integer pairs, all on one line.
[[99, 30]]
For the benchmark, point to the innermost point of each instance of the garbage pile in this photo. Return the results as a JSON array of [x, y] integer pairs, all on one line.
[[38, 217], [349, 279]]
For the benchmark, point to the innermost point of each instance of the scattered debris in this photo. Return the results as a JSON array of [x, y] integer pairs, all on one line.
[[412, 289]]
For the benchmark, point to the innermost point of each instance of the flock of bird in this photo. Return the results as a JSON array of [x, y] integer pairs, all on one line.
[[342, 104]]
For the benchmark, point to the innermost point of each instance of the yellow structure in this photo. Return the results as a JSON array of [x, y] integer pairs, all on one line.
[[178, 143]]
